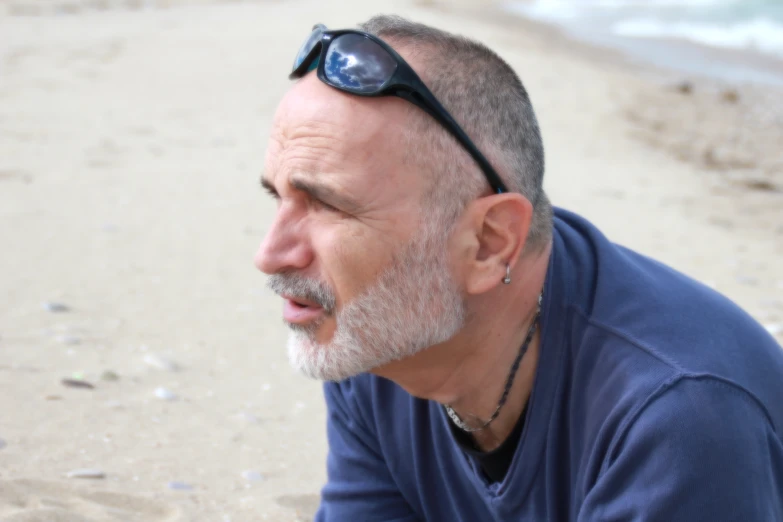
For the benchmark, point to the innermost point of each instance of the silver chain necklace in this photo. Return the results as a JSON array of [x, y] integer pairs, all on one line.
[[509, 381]]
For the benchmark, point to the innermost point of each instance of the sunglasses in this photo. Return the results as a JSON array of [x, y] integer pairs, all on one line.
[[364, 65]]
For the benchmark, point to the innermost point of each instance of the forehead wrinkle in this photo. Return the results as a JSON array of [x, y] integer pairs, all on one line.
[[322, 147], [311, 157], [338, 128], [321, 131], [298, 149]]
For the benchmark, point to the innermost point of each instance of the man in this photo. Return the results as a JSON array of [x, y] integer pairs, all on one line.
[[486, 359]]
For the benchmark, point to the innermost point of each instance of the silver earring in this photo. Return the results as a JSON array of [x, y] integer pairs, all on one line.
[[507, 279]]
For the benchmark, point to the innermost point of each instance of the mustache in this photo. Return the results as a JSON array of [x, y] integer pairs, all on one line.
[[294, 285]]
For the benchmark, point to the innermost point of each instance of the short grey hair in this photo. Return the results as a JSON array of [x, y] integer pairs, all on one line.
[[484, 94]]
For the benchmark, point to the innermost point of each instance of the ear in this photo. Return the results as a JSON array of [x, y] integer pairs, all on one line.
[[493, 234]]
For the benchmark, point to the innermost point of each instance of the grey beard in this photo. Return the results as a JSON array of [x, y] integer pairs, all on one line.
[[413, 305]]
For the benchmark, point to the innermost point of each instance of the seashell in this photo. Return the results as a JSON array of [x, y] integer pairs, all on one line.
[[54, 307], [248, 417], [180, 486], [165, 394], [774, 329], [252, 476]]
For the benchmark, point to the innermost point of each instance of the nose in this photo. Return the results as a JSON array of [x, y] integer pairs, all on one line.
[[285, 246]]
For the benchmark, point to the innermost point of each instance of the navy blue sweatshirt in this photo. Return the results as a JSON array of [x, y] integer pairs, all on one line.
[[655, 399]]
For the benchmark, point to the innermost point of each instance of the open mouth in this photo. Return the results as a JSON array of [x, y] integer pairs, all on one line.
[[297, 310]]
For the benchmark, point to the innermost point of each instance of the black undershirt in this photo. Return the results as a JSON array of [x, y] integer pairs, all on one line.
[[494, 463]]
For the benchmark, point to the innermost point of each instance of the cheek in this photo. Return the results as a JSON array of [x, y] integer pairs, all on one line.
[[351, 258]]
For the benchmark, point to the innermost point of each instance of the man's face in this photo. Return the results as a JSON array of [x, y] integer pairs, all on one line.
[[365, 281]]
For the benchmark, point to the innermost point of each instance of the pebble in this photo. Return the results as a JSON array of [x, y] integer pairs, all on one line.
[[684, 87], [730, 96], [109, 375], [77, 383], [3, 444], [161, 363], [86, 474], [252, 476], [165, 394], [54, 307], [180, 486], [69, 339]]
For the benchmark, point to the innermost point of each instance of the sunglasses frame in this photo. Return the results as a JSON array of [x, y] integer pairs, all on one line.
[[404, 83]]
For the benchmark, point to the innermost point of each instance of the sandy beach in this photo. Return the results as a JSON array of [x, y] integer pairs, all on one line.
[[143, 374]]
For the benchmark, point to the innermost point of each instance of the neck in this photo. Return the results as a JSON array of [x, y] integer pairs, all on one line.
[[469, 372]]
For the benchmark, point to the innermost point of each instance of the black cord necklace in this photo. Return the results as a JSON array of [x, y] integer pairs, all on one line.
[[509, 381]]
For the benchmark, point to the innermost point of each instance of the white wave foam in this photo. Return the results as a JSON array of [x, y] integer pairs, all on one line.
[[567, 9], [759, 34], [636, 3]]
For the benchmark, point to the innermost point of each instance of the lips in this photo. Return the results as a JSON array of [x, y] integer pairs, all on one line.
[[297, 310]]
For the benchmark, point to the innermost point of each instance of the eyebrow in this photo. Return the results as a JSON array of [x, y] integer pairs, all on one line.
[[267, 185], [316, 190]]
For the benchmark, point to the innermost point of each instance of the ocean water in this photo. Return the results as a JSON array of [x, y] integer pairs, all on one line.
[[754, 26]]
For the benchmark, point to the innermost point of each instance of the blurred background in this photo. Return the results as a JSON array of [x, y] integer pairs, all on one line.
[[143, 373], [678, 34]]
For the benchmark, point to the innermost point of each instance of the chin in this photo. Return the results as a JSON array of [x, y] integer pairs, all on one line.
[[319, 361]]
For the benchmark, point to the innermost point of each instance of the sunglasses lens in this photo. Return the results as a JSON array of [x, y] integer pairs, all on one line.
[[358, 64], [311, 41]]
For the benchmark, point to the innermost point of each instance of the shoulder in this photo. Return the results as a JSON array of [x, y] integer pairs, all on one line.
[[700, 448], [694, 417], [642, 298], [637, 312]]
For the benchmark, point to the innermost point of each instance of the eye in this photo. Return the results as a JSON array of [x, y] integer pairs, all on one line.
[[320, 205]]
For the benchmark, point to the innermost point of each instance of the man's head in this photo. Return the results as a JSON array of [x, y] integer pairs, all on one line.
[[387, 236]]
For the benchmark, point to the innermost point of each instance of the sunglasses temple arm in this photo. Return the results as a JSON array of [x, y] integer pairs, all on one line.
[[433, 107]]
